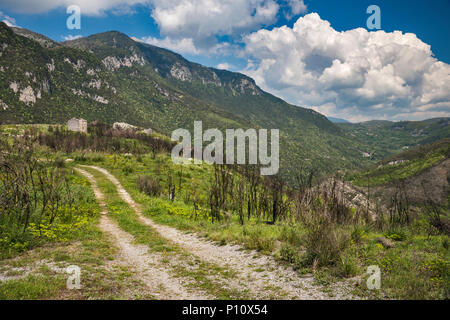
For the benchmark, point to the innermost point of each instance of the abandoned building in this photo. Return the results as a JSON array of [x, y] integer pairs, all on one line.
[[78, 125]]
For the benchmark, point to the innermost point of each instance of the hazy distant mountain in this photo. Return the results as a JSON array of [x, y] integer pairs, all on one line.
[[337, 120]]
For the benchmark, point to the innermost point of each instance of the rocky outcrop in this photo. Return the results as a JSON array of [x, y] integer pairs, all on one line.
[[247, 86], [181, 72], [3, 106], [213, 79], [79, 65], [51, 66], [45, 85], [95, 83], [78, 92], [123, 126], [100, 99], [27, 95], [161, 90], [96, 98], [114, 63], [14, 86]]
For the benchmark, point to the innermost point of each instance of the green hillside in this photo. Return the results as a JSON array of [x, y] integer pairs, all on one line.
[[386, 138], [109, 77], [406, 164]]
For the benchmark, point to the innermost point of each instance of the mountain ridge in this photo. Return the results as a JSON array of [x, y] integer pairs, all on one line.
[[112, 78]]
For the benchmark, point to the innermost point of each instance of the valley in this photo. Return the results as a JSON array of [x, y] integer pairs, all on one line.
[[133, 211]]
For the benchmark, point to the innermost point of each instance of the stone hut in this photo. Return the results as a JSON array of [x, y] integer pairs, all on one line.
[[78, 125]]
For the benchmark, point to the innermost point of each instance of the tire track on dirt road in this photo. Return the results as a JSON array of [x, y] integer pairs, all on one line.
[[147, 265]]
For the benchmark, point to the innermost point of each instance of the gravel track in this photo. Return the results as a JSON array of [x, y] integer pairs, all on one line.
[[147, 266], [262, 275]]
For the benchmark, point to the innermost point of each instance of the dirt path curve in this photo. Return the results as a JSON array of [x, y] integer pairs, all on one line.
[[147, 266], [261, 274]]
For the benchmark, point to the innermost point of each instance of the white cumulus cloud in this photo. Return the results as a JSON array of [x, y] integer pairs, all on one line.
[[354, 74], [224, 66], [191, 26], [72, 37], [205, 18], [297, 6], [10, 21], [185, 45]]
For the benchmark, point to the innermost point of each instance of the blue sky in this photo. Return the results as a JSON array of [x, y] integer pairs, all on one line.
[[230, 34]]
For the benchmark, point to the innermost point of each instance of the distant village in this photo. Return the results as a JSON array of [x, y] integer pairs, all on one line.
[[81, 125]]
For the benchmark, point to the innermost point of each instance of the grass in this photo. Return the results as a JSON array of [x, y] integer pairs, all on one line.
[[31, 287], [180, 214], [417, 267], [87, 248]]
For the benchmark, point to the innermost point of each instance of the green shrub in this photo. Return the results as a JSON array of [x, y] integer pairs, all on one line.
[[149, 185], [97, 158], [357, 234], [324, 241], [348, 265], [59, 163], [80, 158], [445, 243], [127, 169], [292, 234], [396, 234], [289, 254]]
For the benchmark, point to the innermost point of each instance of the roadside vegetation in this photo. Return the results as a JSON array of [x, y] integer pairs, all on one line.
[[314, 230], [48, 221]]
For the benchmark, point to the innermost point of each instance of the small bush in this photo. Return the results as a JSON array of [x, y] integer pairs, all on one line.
[[289, 254], [445, 243], [324, 241], [127, 169], [149, 185], [357, 234], [60, 163], [97, 158], [396, 235], [292, 234], [438, 219], [348, 266], [80, 158], [263, 244]]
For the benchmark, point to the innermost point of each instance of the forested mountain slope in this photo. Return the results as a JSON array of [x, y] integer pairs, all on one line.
[[110, 77]]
